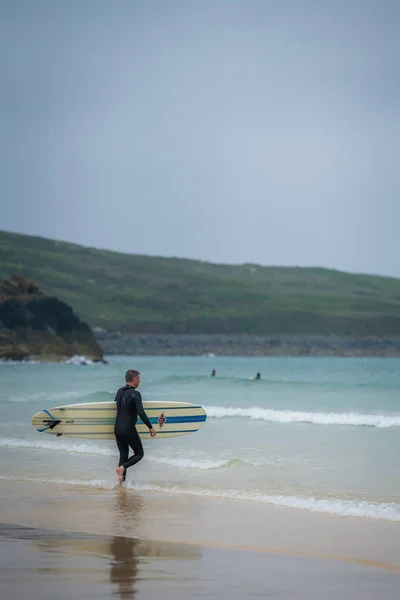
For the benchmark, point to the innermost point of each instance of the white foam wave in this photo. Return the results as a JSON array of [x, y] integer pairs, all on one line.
[[19, 362], [80, 448], [90, 448], [97, 483], [388, 511], [316, 418], [350, 508], [79, 360], [189, 463]]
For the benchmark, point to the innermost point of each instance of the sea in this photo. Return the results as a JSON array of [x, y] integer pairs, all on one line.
[[317, 434]]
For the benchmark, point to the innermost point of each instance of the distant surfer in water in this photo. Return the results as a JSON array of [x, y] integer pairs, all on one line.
[[129, 407], [213, 373], [258, 376]]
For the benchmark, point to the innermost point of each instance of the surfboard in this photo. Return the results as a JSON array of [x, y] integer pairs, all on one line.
[[95, 420]]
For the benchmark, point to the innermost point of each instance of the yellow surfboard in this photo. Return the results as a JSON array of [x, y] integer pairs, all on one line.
[[96, 420]]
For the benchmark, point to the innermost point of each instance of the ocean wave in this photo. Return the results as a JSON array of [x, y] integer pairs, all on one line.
[[45, 397], [315, 418], [388, 511], [79, 360], [350, 508], [57, 398], [80, 448], [190, 463], [74, 360], [87, 448], [19, 362], [97, 483]]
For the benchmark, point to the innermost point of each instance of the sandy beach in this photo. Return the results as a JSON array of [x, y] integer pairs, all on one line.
[[96, 542], [291, 490]]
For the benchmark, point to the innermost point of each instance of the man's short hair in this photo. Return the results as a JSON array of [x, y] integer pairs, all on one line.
[[130, 375]]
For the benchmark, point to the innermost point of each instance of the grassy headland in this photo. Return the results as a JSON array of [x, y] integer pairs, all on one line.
[[169, 295]]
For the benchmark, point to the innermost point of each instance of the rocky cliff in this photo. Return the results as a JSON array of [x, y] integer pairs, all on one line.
[[34, 325]]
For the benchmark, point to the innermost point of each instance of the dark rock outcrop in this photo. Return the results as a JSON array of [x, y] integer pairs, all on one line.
[[36, 326]]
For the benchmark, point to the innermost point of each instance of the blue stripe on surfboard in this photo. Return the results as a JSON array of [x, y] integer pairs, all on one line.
[[192, 419], [153, 420], [140, 433]]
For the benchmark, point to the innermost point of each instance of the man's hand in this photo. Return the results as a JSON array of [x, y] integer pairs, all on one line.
[[152, 432]]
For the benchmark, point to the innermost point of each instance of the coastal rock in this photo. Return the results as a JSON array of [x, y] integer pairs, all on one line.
[[36, 326]]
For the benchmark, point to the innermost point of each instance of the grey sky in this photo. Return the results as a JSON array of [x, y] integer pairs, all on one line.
[[232, 131]]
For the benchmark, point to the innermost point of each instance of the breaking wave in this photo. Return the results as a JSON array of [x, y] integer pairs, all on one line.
[[315, 418], [389, 511]]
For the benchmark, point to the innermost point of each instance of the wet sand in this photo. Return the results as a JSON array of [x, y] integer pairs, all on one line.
[[91, 542], [48, 564]]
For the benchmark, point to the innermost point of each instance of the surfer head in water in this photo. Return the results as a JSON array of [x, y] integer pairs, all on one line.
[[129, 408]]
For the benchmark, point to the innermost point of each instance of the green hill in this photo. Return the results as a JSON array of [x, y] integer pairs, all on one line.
[[152, 294]]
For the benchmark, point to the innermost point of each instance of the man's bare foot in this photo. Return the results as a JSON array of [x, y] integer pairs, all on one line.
[[120, 472]]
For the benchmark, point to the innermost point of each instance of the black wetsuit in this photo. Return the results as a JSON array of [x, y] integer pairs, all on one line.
[[129, 408]]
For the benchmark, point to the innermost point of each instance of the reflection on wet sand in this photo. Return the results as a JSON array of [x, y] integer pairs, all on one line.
[[128, 558], [127, 510], [124, 566], [51, 564], [103, 547]]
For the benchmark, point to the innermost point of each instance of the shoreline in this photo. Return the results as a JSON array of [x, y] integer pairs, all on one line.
[[153, 344], [209, 522]]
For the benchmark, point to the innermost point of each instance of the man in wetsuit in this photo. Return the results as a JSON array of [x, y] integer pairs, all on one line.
[[129, 408]]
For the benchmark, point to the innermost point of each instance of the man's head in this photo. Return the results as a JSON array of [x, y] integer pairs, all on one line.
[[132, 378]]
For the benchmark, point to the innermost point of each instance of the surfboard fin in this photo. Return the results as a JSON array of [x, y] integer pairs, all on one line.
[[51, 424]]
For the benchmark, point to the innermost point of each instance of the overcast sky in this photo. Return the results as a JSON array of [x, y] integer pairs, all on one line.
[[262, 131]]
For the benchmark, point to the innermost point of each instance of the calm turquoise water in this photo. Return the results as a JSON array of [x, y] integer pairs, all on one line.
[[316, 433]]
